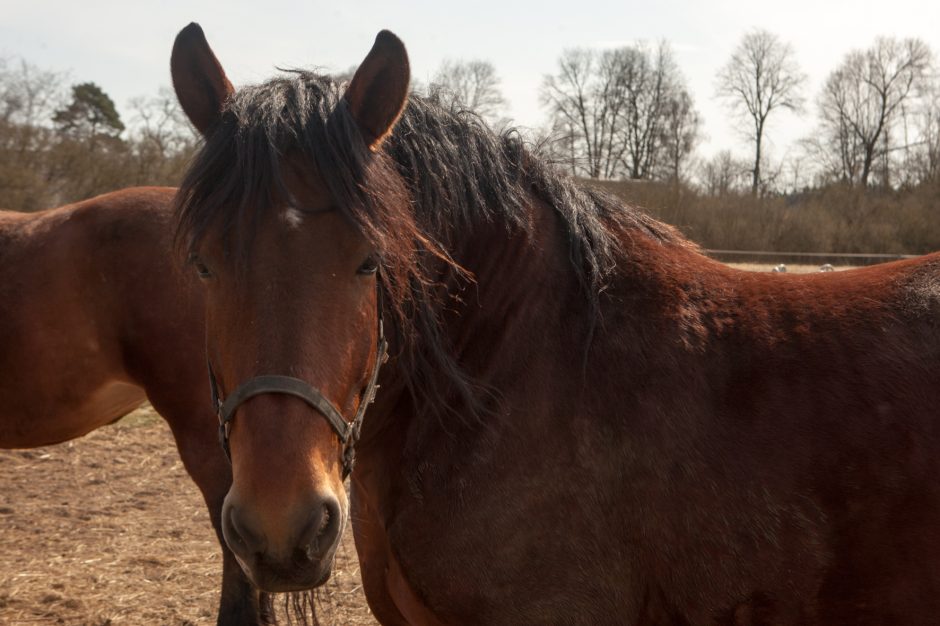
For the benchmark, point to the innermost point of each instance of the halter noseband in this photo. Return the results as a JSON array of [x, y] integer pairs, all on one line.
[[348, 432]]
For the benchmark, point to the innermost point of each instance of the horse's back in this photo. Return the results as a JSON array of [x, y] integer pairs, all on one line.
[[797, 419], [65, 275]]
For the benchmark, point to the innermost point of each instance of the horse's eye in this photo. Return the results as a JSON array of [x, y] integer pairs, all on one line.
[[201, 268], [369, 266]]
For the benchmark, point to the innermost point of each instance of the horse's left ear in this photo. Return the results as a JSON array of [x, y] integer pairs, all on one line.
[[378, 92]]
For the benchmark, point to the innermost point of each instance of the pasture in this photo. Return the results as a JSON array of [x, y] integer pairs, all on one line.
[[109, 530]]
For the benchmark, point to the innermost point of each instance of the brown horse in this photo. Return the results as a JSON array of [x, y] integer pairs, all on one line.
[[95, 318], [583, 421]]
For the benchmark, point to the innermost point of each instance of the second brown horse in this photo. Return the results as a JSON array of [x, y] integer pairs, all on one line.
[[96, 318]]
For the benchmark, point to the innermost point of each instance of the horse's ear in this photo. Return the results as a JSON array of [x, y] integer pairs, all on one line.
[[200, 83], [379, 90]]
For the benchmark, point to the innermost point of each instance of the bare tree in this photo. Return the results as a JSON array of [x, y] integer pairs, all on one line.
[[28, 97], [162, 139], [761, 77], [722, 174], [559, 143], [612, 108], [650, 84], [620, 79], [928, 157], [54, 149], [680, 134], [794, 176], [471, 85], [28, 94], [864, 98], [573, 99]]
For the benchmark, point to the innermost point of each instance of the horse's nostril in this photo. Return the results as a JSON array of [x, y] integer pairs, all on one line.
[[321, 531], [248, 541], [324, 519]]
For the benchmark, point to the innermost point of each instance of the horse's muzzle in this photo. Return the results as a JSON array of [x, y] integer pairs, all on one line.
[[285, 559]]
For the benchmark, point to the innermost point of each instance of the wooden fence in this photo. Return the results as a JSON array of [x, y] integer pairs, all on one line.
[[833, 258]]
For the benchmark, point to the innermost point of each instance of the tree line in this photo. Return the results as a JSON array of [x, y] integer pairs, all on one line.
[[61, 143], [627, 114], [619, 114]]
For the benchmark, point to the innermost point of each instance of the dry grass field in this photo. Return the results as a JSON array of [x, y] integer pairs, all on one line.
[[109, 530]]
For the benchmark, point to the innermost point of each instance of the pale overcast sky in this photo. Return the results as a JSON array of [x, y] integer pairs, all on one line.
[[125, 46]]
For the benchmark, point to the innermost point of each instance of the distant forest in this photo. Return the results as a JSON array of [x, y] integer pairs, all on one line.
[[866, 180]]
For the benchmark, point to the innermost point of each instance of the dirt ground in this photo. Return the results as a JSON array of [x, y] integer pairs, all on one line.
[[791, 268], [109, 530]]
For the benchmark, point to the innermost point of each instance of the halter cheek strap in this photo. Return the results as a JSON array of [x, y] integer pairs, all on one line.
[[347, 432]]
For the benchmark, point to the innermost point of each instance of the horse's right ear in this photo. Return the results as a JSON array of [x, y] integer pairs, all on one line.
[[200, 83]]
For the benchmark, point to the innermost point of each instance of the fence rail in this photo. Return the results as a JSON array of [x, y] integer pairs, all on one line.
[[857, 258]]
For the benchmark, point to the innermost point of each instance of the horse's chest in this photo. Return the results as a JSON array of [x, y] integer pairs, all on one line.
[[504, 555], [404, 597]]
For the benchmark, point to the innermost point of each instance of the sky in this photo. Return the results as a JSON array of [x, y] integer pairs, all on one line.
[[124, 47]]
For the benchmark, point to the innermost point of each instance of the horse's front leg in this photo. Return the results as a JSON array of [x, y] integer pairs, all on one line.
[[240, 603]]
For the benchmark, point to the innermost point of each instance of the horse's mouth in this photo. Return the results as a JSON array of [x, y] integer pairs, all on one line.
[[278, 579]]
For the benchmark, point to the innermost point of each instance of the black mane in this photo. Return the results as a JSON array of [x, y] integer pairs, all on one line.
[[446, 166]]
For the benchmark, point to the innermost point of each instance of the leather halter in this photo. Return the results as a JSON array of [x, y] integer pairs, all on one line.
[[348, 432]]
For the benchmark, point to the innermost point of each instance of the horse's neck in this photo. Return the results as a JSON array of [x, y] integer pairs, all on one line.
[[509, 316], [522, 283], [526, 332], [525, 305]]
